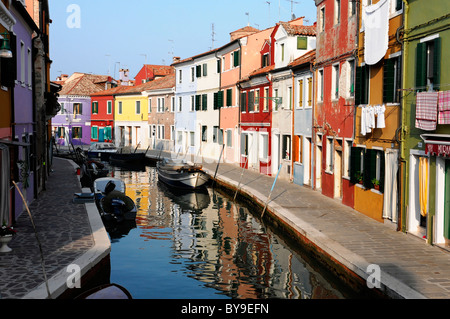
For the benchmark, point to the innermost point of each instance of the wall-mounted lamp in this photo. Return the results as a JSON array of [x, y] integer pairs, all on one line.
[[5, 49]]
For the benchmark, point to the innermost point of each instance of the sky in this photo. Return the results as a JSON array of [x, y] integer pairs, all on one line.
[[103, 36]]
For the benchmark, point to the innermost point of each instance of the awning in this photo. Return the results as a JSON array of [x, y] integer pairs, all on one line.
[[437, 144]]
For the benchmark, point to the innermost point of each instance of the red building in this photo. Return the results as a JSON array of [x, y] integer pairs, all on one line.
[[152, 72], [334, 113], [256, 115], [102, 118]]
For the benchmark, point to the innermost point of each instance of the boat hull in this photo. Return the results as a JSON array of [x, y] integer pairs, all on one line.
[[188, 179]]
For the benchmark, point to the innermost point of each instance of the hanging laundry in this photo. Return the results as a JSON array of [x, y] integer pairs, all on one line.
[[363, 120], [426, 110], [444, 107], [379, 111], [376, 27], [370, 122]]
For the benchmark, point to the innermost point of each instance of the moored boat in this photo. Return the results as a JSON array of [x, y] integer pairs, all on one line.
[[101, 151], [177, 173], [108, 291]]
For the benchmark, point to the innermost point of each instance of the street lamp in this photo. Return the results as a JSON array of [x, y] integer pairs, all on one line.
[[5, 49]]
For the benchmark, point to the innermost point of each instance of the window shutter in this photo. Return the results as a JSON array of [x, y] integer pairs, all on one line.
[[229, 97], [437, 63], [220, 103], [198, 69], [388, 83], [370, 167], [355, 164], [358, 86], [219, 66], [197, 102], [204, 102], [205, 69], [421, 64], [236, 58], [302, 43], [216, 100], [382, 171]]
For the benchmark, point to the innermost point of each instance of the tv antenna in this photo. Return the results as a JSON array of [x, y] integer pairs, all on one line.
[[292, 7], [268, 2], [212, 36]]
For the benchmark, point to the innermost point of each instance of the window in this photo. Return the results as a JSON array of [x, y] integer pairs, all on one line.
[[335, 86], [215, 134], [229, 97], [286, 147], [198, 71], [61, 132], [161, 132], [138, 107], [77, 109], [282, 51], [362, 85], [337, 11], [352, 7], [120, 107], [243, 102], [193, 101], [192, 135], [367, 166], [77, 132], [330, 152], [322, 19], [63, 110], [161, 107], [192, 74], [352, 78], [290, 97], [392, 80], [302, 43], [347, 157], [109, 107], [204, 102], [218, 100], [149, 106], [229, 138], [265, 60], [251, 101], [223, 64], [172, 132], [275, 94], [257, 99], [180, 104], [180, 76], [236, 58], [219, 66], [172, 104], [22, 63], [320, 83], [205, 69], [94, 107], [264, 146], [266, 100], [30, 72], [198, 102], [204, 133], [428, 64]]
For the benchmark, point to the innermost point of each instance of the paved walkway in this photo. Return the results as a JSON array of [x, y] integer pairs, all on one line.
[[69, 234], [410, 268]]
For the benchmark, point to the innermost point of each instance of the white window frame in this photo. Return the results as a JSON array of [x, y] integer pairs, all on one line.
[[335, 82], [149, 105], [329, 167], [136, 105], [264, 137]]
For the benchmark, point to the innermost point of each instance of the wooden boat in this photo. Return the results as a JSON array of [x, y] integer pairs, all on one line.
[[108, 291], [126, 158], [180, 174], [101, 151], [119, 212]]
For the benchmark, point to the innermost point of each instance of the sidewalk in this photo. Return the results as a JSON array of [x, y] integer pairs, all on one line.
[[69, 234], [409, 267]]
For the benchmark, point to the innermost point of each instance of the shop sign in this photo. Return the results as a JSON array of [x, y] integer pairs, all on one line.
[[438, 149]]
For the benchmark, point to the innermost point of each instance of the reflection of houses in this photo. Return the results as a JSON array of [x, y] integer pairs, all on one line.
[[73, 122], [425, 208], [161, 112], [377, 100]]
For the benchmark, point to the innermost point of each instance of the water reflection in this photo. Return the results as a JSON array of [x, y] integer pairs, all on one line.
[[202, 245]]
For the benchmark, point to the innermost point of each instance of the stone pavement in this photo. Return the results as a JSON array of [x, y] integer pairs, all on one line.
[[410, 268], [69, 234]]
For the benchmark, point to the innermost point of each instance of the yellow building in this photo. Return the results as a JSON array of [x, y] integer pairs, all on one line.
[[374, 167], [131, 118]]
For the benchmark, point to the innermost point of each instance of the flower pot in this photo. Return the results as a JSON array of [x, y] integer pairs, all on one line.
[[377, 187], [4, 240]]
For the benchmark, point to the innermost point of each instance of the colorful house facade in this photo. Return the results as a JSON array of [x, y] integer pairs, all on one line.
[[333, 118], [425, 138], [150, 72]]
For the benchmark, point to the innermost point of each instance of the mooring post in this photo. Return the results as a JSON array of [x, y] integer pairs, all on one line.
[[270, 194], [217, 167]]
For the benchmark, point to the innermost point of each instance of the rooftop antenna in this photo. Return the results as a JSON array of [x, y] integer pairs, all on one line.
[[212, 36], [172, 49], [248, 14], [292, 8], [268, 2]]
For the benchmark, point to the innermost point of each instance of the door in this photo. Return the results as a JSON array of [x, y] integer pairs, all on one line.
[[447, 200], [101, 134], [275, 153], [338, 173]]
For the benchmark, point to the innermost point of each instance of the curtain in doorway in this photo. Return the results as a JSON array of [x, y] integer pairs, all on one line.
[[4, 185], [390, 185], [423, 185]]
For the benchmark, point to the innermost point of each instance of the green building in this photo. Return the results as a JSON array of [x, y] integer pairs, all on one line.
[[425, 131]]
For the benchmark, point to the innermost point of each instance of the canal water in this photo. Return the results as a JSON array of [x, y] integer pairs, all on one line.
[[204, 246]]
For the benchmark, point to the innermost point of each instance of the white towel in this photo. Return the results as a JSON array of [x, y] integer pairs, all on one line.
[[380, 110], [376, 27], [363, 120]]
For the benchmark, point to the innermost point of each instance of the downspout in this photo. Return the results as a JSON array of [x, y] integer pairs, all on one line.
[[401, 223], [291, 177]]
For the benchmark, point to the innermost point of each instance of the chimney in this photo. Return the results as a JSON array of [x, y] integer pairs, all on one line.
[[176, 59], [124, 76]]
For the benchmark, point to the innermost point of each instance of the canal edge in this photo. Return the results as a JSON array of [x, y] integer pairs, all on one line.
[[87, 262], [344, 263]]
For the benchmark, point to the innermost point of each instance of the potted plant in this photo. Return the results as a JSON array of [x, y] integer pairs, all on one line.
[[376, 184], [359, 177], [6, 234]]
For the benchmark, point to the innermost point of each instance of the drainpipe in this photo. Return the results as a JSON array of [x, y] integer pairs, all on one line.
[[291, 177], [401, 223]]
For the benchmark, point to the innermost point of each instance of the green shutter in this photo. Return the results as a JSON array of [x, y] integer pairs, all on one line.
[[243, 101], [358, 86], [302, 43], [382, 171], [388, 81], [236, 58], [219, 66], [205, 69], [355, 164], [216, 100], [198, 69], [229, 97], [437, 63], [197, 102], [421, 66], [220, 103], [204, 102]]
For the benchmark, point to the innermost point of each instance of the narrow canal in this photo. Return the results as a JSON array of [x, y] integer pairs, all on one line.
[[204, 246]]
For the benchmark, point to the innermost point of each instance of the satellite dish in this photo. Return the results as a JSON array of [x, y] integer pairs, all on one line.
[[293, 16]]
